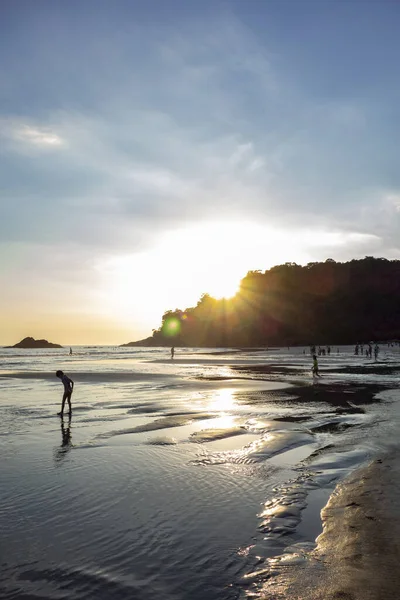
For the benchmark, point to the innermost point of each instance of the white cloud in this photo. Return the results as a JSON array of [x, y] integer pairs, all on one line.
[[393, 201], [33, 135], [196, 125], [38, 137]]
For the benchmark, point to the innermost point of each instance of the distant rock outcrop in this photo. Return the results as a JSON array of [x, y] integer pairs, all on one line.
[[146, 343], [30, 342]]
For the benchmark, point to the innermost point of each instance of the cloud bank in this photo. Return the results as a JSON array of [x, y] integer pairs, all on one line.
[[118, 128]]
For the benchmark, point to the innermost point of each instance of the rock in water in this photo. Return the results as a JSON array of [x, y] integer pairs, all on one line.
[[30, 342]]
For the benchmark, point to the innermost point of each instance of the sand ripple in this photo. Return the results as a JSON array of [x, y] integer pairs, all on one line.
[[260, 450]]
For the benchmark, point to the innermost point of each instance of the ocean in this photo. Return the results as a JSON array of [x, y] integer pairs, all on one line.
[[177, 479]]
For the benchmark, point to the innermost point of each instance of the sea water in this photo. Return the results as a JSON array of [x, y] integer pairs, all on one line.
[[176, 479]]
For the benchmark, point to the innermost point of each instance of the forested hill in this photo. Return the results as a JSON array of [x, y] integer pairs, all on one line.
[[321, 303]]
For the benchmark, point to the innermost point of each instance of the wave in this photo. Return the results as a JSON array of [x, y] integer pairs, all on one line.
[[88, 375]]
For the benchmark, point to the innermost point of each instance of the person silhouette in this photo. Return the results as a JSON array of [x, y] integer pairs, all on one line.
[[172, 352], [68, 389], [314, 368]]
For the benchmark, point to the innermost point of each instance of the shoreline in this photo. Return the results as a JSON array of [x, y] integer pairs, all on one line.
[[358, 551]]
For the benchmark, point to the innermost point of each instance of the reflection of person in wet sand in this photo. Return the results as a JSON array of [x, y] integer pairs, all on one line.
[[66, 444], [68, 389], [314, 368], [172, 352], [66, 433]]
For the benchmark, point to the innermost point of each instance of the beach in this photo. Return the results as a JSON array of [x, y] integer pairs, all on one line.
[[198, 477], [357, 554]]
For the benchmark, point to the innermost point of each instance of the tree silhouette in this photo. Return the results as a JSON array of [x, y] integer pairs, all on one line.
[[323, 303]]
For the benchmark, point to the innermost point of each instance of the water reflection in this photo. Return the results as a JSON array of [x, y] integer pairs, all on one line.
[[223, 400], [66, 443]]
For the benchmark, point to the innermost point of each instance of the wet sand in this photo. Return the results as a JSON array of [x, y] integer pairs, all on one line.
[[188, 479], [346, 396], [358, 553]]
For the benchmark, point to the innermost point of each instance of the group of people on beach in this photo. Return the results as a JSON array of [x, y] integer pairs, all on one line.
[[359, 349]]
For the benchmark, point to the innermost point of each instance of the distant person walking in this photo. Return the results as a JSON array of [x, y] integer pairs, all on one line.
[[68, 389], [70, 351], [376, 352], [314, 368], [172, 352]]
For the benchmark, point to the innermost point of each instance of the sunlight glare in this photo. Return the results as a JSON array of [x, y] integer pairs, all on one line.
[[223, 400], [210, 257]]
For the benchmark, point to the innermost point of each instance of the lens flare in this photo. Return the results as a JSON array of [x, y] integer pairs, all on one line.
[[171, 327]]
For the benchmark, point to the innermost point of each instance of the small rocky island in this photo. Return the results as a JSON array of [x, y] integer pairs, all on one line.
[[30, 342], [146, 343]]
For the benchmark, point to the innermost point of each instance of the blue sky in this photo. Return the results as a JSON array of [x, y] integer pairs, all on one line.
[[148, 147]]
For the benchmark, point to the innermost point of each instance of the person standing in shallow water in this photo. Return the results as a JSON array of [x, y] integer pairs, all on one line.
[[68, 389], [314, 369], [172, 352]]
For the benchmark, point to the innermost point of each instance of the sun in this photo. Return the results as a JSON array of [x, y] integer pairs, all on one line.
[[224, 288], [182, 265], [173, 269], [211, 256]]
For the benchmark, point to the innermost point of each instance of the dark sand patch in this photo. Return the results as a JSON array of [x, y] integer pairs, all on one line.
[[371, 369], [293, 419], [336, 394], [162, 440], [145, 409], [211, 435], [187, 413], [332, 427], [221, 378], [344, 397], [164, 423], [287, 368]]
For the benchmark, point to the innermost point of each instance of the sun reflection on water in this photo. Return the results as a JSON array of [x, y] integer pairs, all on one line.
[[223, 400]]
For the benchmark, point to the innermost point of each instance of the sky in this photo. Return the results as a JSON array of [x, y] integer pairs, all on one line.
[[152, 151]]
